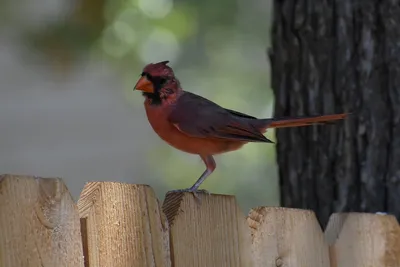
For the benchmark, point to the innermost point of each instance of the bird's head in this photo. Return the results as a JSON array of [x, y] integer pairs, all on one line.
[[158, 82]]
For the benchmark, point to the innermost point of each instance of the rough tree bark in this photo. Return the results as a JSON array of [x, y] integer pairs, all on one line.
[[331, 57]]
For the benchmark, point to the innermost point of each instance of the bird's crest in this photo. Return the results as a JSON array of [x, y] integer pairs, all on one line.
[[159, 69]]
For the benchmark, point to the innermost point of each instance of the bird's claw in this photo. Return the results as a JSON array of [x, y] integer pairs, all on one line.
[[193, 191]]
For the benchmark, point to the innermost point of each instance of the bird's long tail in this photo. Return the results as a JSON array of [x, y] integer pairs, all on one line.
[[300, 121]]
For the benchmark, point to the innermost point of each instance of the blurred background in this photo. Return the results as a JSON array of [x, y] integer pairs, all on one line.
[[67, 108]]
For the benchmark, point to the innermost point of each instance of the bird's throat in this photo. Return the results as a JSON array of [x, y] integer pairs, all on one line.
[[154, 98]]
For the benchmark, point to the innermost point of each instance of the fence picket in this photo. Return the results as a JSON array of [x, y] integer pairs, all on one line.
[[123, 226], [287, 237], [213, 233], [39, 223]]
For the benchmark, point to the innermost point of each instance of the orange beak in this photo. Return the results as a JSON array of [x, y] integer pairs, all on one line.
[[144, 85]]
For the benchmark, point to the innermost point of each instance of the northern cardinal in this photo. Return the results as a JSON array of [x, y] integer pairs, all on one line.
[[196, 125]]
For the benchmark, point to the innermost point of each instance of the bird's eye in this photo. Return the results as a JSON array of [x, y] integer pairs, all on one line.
[[148, 76], [162, 81]]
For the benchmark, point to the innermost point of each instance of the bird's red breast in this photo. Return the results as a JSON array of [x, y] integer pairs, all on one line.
[[171, 134]]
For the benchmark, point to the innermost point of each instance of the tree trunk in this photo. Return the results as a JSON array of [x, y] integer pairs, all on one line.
[[333, 57]]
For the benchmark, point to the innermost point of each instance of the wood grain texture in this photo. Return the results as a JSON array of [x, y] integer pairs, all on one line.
[[287, 237], [213, 233], [123, 226], [39, 223], [333, 57], [363, 240]]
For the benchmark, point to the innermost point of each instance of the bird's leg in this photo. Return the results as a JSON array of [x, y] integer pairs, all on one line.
[[211, 165]]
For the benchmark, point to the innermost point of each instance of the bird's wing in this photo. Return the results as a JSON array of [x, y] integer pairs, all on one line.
[[239, 114], [199, 117]]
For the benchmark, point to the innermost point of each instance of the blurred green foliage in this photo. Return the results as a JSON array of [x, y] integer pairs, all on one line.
[[217, 49]]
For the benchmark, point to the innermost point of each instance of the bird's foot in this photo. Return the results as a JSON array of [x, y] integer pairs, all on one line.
[[195, 192]]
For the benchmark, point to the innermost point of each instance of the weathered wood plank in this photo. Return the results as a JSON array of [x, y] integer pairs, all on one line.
[[39, 223], [123, 226], [213, 233]]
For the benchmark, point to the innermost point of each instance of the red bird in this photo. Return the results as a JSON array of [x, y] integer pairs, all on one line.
[[196, 125]]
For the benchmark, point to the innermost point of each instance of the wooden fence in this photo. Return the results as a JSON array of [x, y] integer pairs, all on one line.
[[117, 224]]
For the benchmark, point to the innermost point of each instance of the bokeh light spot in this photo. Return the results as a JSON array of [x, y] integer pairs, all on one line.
[[124, 32], [156, 9], [161, 44], [112, 45], [181, 21]]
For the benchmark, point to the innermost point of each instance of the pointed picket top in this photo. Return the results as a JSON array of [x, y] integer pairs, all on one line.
[[39, 223], [212, 232], [363, 239], [287, 237], [123, 225]]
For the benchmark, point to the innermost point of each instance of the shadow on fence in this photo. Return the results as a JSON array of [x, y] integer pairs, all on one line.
[[118, 224]]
